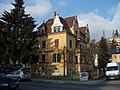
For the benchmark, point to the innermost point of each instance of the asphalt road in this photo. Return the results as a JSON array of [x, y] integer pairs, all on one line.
[[37, 85]]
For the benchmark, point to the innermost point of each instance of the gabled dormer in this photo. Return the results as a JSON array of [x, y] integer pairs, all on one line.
[[57, 24], [42, 29]]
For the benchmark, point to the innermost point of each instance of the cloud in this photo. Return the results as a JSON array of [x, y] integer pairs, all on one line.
[[98, 23], [62, 3], [39, 8], [111, 11], [116, 18], [4, 7], [96, 11]]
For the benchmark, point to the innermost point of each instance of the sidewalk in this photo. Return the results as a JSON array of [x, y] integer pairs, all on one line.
[[71, 82]]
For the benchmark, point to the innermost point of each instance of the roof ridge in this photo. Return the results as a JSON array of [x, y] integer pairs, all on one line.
[[69, 17]]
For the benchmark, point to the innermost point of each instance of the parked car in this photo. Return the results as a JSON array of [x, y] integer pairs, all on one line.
[[6, 69], [112, 70], [7, 83], [19, 75]]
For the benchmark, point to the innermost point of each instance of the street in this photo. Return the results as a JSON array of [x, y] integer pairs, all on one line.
[[38, 85]]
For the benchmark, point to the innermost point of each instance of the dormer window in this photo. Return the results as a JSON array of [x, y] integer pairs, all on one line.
[[54, 29], [57, 29], [71, 22], [42, 30], [57, 24]]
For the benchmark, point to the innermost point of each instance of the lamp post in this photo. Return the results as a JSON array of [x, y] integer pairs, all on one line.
[[64, 52]]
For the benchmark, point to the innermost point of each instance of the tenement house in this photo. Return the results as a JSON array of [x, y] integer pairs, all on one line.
[[114, 44], [60, 40]]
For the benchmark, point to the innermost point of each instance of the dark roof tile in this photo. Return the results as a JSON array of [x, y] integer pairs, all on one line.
[[67, 23]]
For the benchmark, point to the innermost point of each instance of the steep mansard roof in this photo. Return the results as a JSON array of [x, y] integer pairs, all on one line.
[[67, 23]]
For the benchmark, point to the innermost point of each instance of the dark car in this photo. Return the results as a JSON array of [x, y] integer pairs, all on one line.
[[7, 83]]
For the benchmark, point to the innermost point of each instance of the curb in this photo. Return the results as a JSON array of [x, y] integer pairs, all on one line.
[[71, 82]]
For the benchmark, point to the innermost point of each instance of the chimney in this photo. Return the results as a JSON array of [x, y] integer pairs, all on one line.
[[54, 14]]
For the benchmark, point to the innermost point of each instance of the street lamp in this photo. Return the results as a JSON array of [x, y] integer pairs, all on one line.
[[64, 52]]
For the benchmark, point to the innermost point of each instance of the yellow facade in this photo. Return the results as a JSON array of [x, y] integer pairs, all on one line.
[[57, 68], [115, 57], [116, 54], [63, 59]]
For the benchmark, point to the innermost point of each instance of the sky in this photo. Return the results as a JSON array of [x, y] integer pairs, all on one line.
[[100, 15]]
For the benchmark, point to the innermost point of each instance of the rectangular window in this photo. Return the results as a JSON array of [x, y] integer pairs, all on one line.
[[43, 44], [54, 29], [70, 43], [56, 57], [42, 32], [115, 56], [58, 28], [76, 45], [70, 58], [56, 43], [76, 59], [43, 58]]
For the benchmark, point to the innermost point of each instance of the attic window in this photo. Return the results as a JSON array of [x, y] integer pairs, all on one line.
[[71, 22], [50, 21], [42, 30], [57, 29]]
